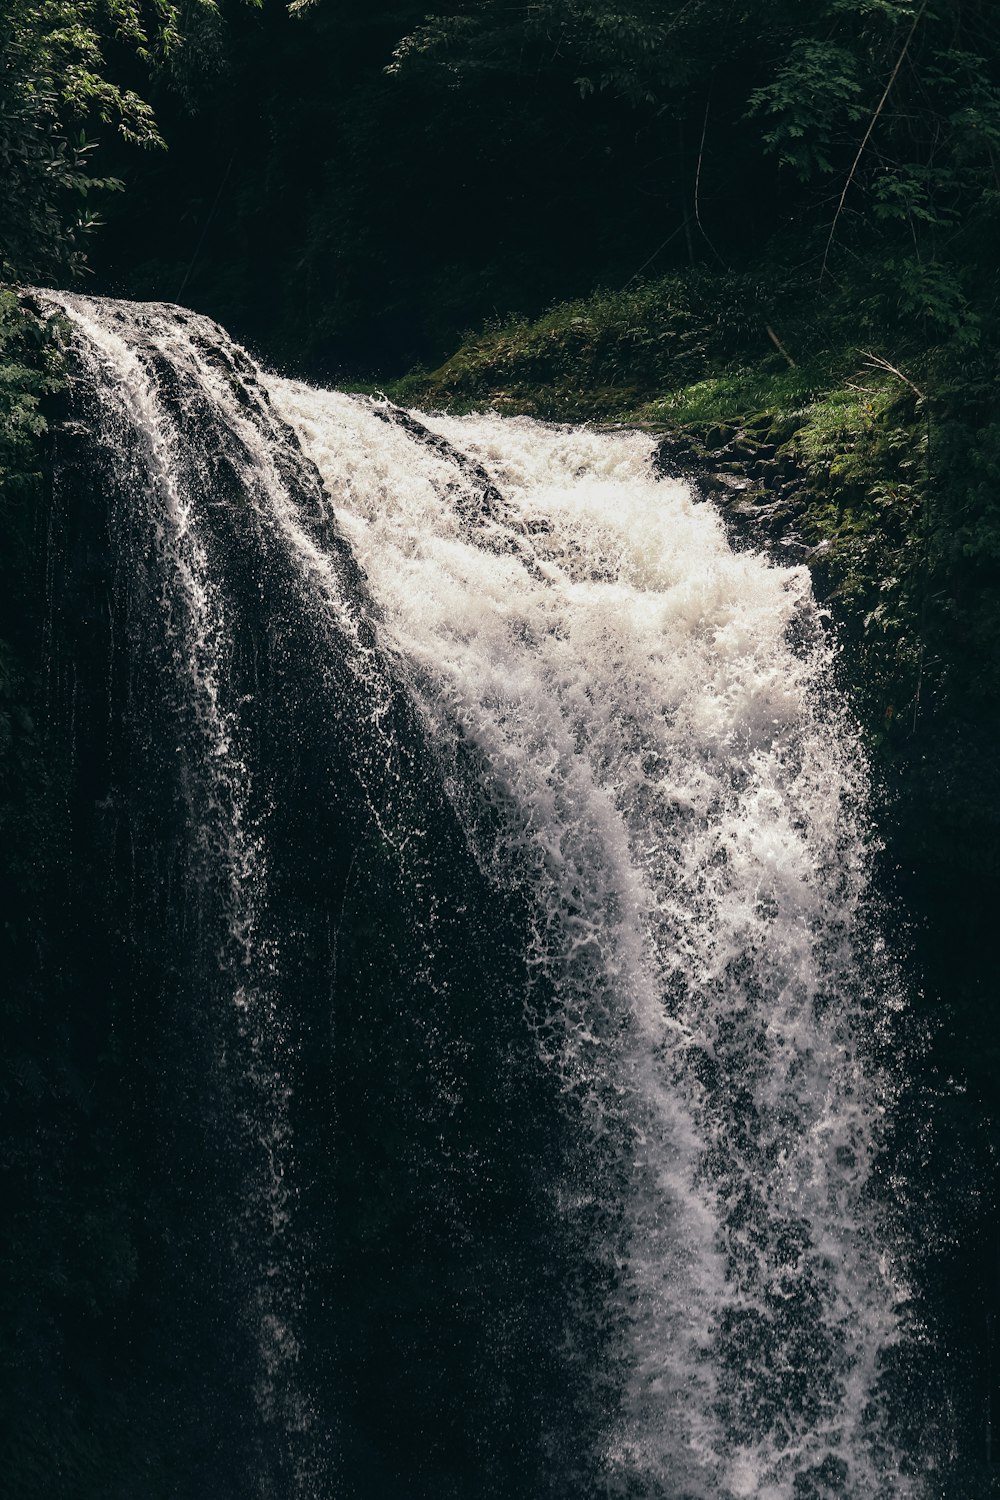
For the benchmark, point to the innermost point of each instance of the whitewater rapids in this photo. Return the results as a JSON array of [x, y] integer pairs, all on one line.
[[653, 713]]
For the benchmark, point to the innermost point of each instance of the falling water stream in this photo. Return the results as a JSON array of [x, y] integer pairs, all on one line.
[[636, 732]]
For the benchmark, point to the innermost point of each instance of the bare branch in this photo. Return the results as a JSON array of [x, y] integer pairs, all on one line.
[[876, 362], [697, 183], [867, 136], [779, 345]]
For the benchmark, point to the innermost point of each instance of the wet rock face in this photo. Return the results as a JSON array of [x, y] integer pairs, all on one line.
[[748, 473], [301, 1037]]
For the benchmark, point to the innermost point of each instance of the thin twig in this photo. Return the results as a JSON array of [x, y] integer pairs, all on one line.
[[867, 136], [925, 582], [205, 228], [636, 274], [876, 362], [779, 345], [697, 183]]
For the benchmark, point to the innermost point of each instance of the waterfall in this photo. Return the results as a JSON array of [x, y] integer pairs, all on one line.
[[523, 875]]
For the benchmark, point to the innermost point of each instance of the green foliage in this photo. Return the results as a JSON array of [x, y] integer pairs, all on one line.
[[29, 370], [616, 352], [610, 348], [813, 96], [631, 51], [55, 93], [894, 103]]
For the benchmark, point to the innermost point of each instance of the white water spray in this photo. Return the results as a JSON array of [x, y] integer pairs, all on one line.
[[118, 346], [688, 810]]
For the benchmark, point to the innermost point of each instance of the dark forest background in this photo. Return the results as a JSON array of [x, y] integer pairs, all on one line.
[[351, 188], [770, 225]]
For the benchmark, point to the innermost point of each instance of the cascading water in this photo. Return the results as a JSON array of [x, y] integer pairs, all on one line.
[[688, 810], [496, 757]]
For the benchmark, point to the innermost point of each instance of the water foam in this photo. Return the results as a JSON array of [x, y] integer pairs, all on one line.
[[650, 713]]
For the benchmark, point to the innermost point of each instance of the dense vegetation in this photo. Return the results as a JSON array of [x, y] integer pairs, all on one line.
[[766, 225]]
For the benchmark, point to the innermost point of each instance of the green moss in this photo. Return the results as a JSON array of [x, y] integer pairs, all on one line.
[[765, 390]]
